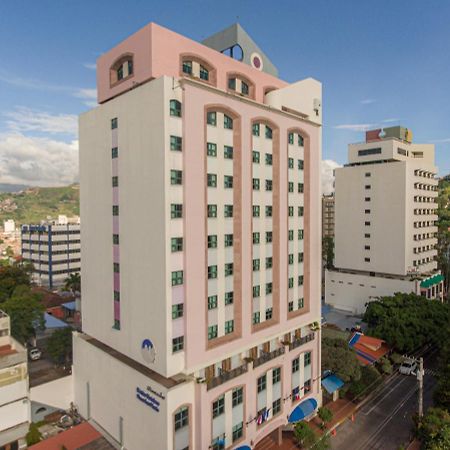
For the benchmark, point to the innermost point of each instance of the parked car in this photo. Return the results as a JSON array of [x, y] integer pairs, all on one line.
[[34, 354], [408, 367]]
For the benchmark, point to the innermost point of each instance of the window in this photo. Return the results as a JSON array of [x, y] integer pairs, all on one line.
[[232, 83], [255, 156], [228, 269], [367, 235], [300, 235], [229, 326], [177, 277], [228, 240], [300, 280], [115, 181], [300, 188], [291, 138], [369, 151], [269, 185], [187, 67], [291, 282], [255, 129], [269, 262], [291, 163], [307, 361], [177, 344], [256, 264], [211, 180], [228, 182], [367, 199], [244, 88], [367, 211], [268, 132], [291, 235], [237, 431], [301, 141], [175, 108], [256, 211], [268, 159], [116, 296], [114, 123], [268, 288], [181, 418], [255, 183], [116, 267], [115, 210], [367, 224], [227, 122], [291, 306], [307, 386], [212, 332], [212, 272], [367, 186], [218, 407], [212, 210], [268, 313], [228, 211], [269, 236], [367, 174], [262, 383], [227, 152], [229, 298], [300, 211], [177, 310], [211, 149], [115, 239], [256, 237], [176, 244], [301, 303], [256, 317], [276, 407], [291, 211], [291, 258], [300, 164], [176, 211], [300, 257], [256, 291], [291, 186], [114, 152], [204, 73], [237, 396], [367, 259], [211, 118], [268, 211], [212, 241], [176, 177], [295, 365], [212, 302], [175, 143]]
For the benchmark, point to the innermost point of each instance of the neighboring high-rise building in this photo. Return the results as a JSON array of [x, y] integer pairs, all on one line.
[[54, 250], [14, 390], [385, 221], [200, 206], [328, 216]]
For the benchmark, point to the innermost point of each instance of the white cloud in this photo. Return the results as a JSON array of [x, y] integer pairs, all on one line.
[[37, 161], [390, 120], [88, 95], [328, 166], [26, 119], [367, 101], [355, 126], [91, 66]]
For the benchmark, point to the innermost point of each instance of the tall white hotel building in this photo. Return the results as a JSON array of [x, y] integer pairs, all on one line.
[[200, 205]]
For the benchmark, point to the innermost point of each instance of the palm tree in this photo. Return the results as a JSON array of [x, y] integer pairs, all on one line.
[[73, 283]]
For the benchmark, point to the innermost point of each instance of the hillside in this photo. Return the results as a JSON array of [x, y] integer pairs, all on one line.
[[35, 204]]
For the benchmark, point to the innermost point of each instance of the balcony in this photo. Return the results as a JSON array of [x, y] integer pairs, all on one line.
[[268, 356], [226, 376], [300, 341]]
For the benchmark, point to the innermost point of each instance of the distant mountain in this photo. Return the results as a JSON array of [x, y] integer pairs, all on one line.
[[33, 204], [5, 187]]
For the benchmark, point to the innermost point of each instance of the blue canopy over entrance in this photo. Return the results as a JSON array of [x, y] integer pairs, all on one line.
[[304, 409], [243, 447]]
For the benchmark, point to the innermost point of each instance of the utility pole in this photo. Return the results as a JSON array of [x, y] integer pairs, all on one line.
[[420, 374]]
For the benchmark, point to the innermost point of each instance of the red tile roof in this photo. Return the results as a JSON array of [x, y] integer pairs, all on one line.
[[368, 349]]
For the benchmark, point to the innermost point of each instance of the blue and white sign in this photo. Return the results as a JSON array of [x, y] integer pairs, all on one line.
[[146, 398], [148, 351]]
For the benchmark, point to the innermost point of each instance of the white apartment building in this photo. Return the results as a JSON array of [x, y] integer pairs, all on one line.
[[385, 221], [201, 245], [53, 247], [14, 390]]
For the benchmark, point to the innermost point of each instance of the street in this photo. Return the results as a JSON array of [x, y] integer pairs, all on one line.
[[385, 422]]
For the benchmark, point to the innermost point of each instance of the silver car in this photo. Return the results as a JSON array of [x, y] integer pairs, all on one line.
[[408, 367]]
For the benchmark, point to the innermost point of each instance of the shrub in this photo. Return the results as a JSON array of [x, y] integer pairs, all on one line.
[[34, 435], [325, 414]]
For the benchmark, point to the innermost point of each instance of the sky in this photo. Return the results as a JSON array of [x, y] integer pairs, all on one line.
[[381, 63]]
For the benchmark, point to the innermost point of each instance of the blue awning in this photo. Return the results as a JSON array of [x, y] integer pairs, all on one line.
[[69, 305], [304, 409], [53, 322], [332, 383], [243, 447]]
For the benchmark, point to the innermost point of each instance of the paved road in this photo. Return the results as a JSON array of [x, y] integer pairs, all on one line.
[[385, 422]]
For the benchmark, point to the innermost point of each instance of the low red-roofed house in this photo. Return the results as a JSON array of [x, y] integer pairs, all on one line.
[[368, 349]]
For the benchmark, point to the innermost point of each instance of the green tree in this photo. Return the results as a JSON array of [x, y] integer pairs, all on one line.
[[13, 275], [325, 414], [340, 359], [34, 435], [442, 392], [59, 345], [304, 435], [370, 379], [434, 430], [73, 283], [26, 312], [328, 251]]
